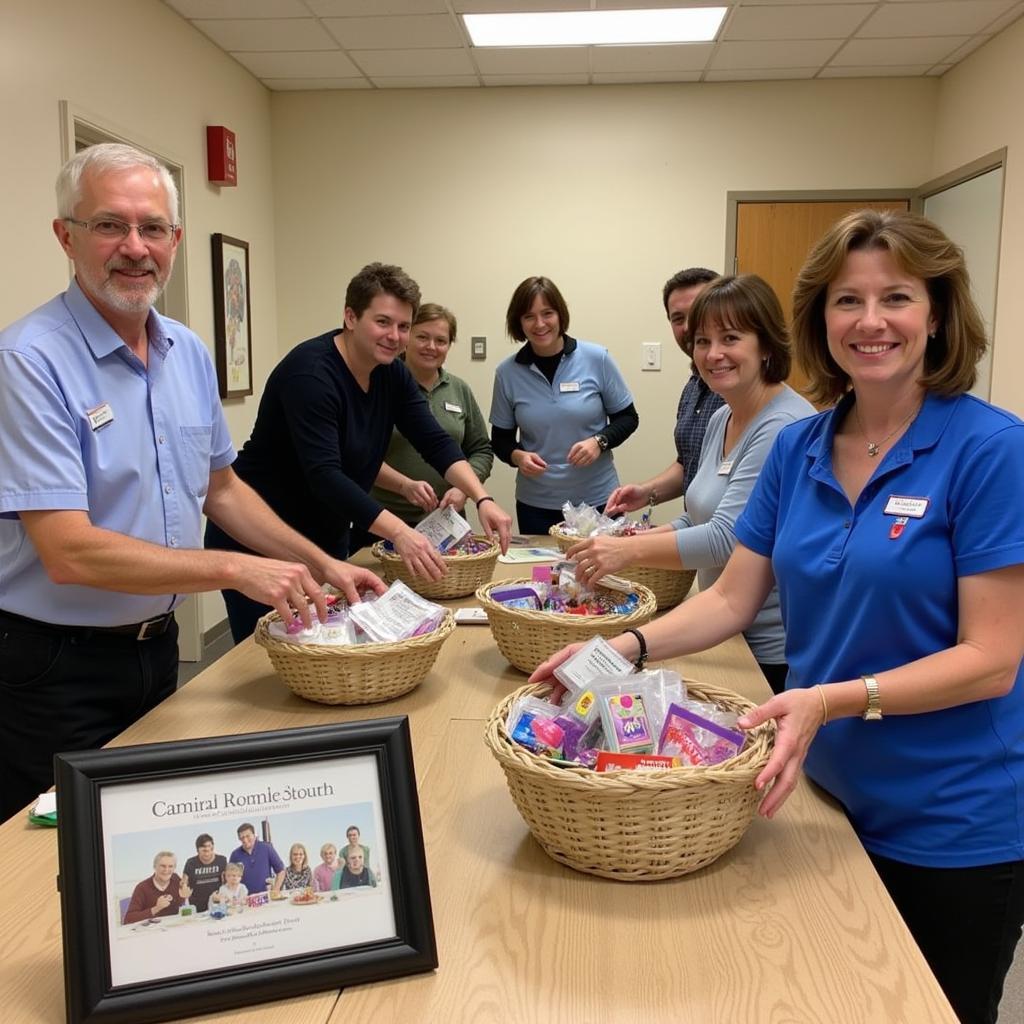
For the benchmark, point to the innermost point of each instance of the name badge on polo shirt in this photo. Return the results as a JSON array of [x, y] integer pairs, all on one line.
[[100, 415], [725, 468], [452, 407], [901, 505], [569, 385]]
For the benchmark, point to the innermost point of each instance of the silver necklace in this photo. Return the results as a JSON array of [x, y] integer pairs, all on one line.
[[874, 447]]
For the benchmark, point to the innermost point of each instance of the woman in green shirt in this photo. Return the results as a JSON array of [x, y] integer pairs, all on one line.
[[406, 485]]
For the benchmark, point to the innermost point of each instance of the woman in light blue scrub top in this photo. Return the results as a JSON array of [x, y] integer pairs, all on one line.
[[558, 409]]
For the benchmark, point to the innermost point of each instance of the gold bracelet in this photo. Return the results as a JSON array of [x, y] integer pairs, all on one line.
[[824, 704]]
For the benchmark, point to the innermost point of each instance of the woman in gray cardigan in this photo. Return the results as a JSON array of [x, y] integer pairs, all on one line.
[[738, 341]]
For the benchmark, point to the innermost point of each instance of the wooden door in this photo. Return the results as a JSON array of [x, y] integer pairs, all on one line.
[[773, 239]]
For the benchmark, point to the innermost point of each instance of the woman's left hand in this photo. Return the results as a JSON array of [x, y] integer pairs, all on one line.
[[583, 453], [799, 715], [453, 498], [597, 556]]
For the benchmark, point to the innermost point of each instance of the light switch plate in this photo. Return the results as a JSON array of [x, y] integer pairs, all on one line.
[[651, 355], [477, 348]]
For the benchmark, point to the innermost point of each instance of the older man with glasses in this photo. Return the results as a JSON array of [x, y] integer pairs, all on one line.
[[113, 444]]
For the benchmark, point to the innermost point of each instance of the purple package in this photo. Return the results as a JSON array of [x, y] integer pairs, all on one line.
[[572, 732], [682, 736], [517, 597]]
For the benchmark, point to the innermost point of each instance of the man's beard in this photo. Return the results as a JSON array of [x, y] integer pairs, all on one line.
[[118, 290]]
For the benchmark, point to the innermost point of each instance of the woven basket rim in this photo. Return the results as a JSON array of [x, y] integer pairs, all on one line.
[[647, 605], [493, 551], [623, 781], [384, 649]]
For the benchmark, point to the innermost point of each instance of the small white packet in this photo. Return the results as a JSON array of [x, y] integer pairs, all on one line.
[[595, 658], [444, 528], [396, 615]]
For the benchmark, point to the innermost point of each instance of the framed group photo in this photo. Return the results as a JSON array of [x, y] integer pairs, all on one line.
[[232, 320], [203, 875]]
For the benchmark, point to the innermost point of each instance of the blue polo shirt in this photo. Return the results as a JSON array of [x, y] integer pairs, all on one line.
[[552, 417], [863, 590], [145, 472], [259, 865]]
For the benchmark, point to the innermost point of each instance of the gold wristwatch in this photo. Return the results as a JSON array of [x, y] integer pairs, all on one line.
[[873, 712]]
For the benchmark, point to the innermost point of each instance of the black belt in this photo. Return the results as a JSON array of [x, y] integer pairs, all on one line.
[[136, 630]]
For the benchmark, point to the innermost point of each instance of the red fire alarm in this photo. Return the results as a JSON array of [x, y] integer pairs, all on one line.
[[221, 168]]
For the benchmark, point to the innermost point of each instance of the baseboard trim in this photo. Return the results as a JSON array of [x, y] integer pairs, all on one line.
[[216, 632]]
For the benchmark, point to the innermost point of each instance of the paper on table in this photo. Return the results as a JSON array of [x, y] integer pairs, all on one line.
[[518, 556]]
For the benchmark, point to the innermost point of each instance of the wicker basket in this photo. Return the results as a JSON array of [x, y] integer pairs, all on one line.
[[465, 572], [356, 674], [527, 638], [669, 586], [629, 825]]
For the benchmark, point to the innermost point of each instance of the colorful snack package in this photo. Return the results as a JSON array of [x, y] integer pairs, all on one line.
[[696, 739], [624, 718]]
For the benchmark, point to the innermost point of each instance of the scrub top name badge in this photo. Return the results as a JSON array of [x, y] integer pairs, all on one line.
[[569, 385], [725, 468], [452, 407], [100, 415], [900, 505]]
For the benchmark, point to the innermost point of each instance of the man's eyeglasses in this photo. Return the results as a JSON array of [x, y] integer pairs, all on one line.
[[156, 232]]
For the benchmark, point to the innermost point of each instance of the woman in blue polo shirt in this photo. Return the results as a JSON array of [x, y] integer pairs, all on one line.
[[892, 524], [558, 408]]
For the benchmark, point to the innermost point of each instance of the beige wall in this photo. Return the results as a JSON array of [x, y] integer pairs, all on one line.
[[979, 111], [606, 190], [146, 74]]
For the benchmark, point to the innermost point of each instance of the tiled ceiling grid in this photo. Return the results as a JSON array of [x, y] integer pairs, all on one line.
[[382, 44]]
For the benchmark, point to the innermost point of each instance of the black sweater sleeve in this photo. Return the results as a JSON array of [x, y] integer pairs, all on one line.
[[504, 441], [620, 425]]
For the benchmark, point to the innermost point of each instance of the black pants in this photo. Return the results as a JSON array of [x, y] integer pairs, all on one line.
[[71, 689], [966, 922], [532, 519], [775, 674]]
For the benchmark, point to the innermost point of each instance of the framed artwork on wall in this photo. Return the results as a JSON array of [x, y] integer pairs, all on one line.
[[232, 319]]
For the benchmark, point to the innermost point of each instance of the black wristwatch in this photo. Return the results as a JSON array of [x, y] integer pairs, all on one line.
[[641, 658], [602, 442]]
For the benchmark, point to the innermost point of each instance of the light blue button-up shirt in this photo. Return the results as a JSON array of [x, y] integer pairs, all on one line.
[[84, 425]]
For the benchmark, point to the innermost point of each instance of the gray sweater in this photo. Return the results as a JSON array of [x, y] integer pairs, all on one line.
[[716, 496]]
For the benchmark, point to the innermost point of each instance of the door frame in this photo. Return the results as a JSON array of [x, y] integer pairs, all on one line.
[[820, 195]]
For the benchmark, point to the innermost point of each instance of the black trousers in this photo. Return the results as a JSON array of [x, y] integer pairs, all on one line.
[[966, 922], [533, 519], [71, 689]]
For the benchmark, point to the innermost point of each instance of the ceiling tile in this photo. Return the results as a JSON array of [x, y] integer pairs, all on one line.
[[797, 3], [268, 34], [939, 70], [394, 33], [306, 84], [516, 6], [239, 8], [895, 71], [802, 54], [522, 61], [820, 21], [944, 18], [969, 47], [687, 57], [408, 63], [430, 82], [643, 77], [890, 52], [356, 8], [1008, 18], [624, 5], [535, 79], [759, 75], [329, 64]]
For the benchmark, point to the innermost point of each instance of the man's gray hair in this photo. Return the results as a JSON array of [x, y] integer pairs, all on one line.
[[103, 157]]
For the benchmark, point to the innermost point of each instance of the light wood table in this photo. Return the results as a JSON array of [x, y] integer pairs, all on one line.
[[791, 925]]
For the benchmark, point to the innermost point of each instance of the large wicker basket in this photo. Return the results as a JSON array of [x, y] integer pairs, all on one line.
[[465, 572], [357, 674], [527, 638], [629, 825], [669, 586]]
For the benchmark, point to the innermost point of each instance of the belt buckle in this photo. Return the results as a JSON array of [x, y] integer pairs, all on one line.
[[144, 633]]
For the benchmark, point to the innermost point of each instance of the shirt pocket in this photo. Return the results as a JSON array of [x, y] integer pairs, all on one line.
[[195, 459]]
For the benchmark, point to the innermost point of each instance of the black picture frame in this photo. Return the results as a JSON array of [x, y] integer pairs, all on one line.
[[87, 780], [232, 315]]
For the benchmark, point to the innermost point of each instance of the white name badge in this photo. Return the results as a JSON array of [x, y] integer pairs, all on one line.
[[100, 415], [452, 407], [900, 505], [569, 385], [725, 468]]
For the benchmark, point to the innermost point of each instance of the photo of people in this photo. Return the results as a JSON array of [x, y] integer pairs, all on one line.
[[261, 900]]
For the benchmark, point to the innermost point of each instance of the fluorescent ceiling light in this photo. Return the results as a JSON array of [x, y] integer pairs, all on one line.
[[595, 28]]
